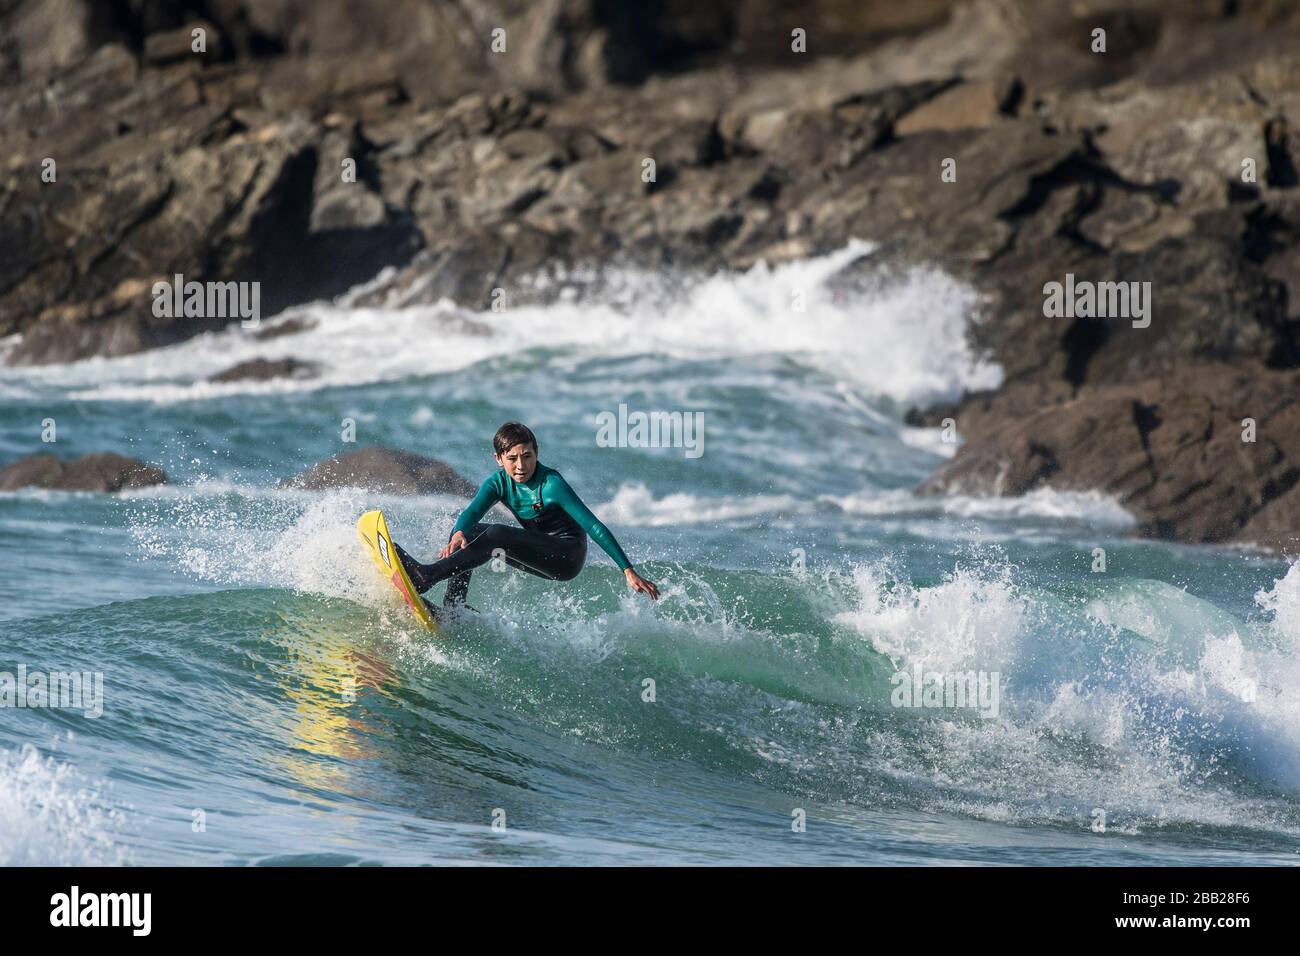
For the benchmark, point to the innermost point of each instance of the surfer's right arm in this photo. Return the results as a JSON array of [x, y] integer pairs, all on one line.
[[489, 493]]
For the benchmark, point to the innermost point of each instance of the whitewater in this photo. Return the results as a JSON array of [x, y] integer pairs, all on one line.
[[268, 700]]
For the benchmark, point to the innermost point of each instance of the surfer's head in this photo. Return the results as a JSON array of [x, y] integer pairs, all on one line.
[[515, 448]]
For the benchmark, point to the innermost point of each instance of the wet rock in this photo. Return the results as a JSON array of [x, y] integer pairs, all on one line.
[[103, 471], [247, 211], [262, 370], [384, 470], [118, 323], [290, 326], [1171, 450]]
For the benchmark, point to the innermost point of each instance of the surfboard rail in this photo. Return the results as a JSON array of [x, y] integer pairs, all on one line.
[[372, 529]]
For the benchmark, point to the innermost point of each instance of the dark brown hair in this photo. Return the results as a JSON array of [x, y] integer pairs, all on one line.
[[511, 434]]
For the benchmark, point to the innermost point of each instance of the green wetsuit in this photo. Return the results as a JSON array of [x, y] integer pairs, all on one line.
[[544, 503]]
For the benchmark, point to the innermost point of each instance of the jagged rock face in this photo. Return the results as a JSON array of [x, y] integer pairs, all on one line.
[[1170, 449], [384, 470], [227, 165], [103, 471], [83, 253], [1152, 191], [476, 169]]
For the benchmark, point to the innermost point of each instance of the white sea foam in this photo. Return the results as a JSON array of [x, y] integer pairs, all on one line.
[[50, 817], [1207, 680], [1282, 604], [928, 439], [284, 539], [1137, 732], [905, 339], [633, 504], [1092, 508], [973, 618], [1176, 621]]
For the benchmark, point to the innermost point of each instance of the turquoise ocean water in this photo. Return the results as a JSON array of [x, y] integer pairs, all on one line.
[[267, 700]]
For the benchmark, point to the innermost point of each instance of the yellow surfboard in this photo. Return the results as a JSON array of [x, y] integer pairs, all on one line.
[[373, 530]]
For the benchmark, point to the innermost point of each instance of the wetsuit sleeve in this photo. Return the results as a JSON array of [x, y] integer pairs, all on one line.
[[489, 493], [564, 497]]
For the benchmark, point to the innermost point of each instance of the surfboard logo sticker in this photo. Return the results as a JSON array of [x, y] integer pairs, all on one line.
[[383, 549]]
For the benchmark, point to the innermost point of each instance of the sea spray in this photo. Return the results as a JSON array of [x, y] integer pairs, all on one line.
[[301, 540], [1282, 604], [973, 617], [903, 337], [50, 815]]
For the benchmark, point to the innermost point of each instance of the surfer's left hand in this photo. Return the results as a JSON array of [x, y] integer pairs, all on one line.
[[457, 541], [638, 583]]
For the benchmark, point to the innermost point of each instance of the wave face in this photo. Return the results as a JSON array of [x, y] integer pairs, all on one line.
[[266, 700]]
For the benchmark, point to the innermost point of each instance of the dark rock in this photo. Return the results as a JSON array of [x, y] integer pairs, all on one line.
[[55, 34], [290, 326], [935, 415], [261, 370], [975, 105], [834, 29], [470, 267], [384, 470], [247, 210], [1170, 449], [179, 44], [103, 471], [118, 323]]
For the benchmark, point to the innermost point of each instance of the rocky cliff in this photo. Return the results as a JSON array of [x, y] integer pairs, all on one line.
[[492, 139]]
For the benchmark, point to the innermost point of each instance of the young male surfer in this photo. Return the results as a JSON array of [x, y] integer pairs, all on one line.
[[552, 542]]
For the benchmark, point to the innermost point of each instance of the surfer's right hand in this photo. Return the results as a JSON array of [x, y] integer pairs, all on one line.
[[455, 544]]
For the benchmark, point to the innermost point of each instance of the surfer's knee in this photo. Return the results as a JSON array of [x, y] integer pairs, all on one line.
[[484, 536], [494, 534], [470, 533]]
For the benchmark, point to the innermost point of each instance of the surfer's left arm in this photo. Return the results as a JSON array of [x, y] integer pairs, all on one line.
[[567, 499]]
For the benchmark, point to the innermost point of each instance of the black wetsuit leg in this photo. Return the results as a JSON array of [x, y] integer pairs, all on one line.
[[555, 557]]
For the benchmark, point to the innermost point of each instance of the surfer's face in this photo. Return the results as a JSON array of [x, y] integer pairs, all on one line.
[[519, 462]]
